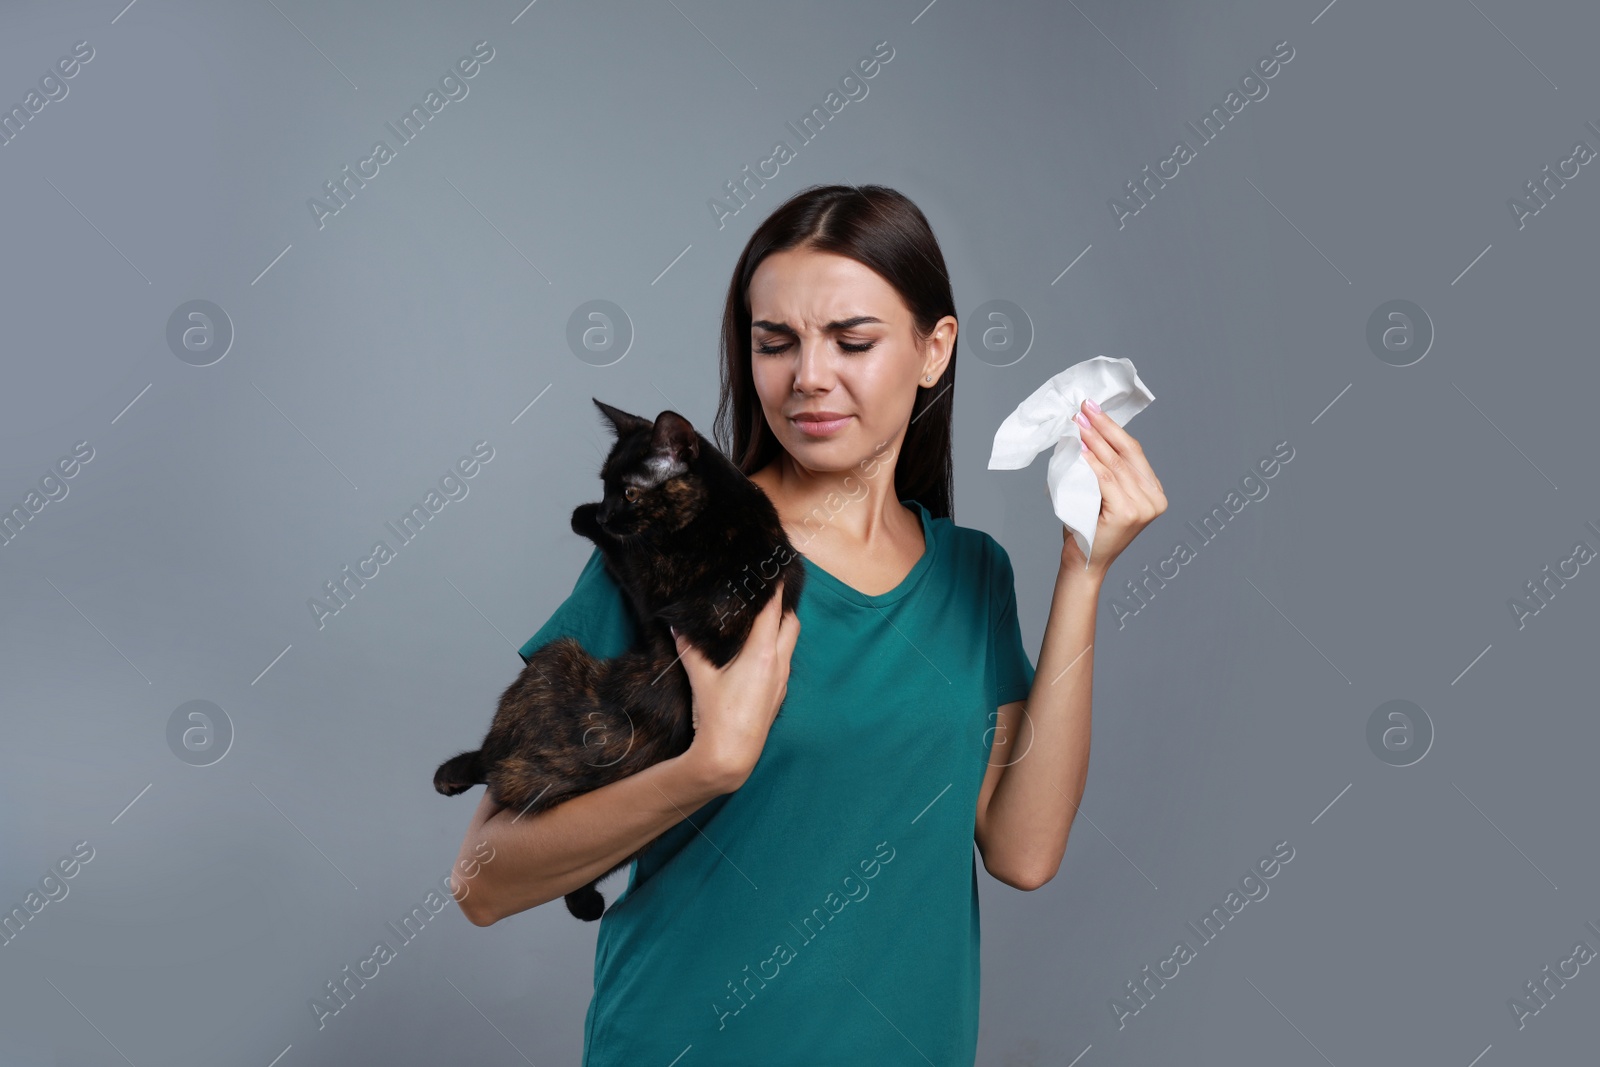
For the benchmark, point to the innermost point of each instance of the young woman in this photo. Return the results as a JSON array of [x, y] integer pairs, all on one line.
[[814, 899]]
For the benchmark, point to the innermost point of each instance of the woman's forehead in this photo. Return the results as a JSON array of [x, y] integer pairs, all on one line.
[[815, 278]]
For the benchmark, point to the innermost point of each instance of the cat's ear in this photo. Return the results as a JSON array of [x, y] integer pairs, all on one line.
[[621, 422], [674, 435]]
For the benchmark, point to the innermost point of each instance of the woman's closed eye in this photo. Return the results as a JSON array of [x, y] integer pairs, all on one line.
[[772, 350]]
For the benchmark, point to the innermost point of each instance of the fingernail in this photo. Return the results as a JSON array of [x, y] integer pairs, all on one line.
[[1092, 405], [1081, 419]]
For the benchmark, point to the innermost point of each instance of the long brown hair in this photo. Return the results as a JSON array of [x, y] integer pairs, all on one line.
[[881, 229]]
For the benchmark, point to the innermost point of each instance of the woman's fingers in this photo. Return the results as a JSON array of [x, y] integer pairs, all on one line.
[[686, 651], [1122, 488], [1105, 461], [771, 616], [1118, 450], [1113, 494], [788, 632], [1094, 428], [1119, 438], [764, 629]]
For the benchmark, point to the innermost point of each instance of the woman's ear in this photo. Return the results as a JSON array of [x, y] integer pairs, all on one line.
[[941, 342]]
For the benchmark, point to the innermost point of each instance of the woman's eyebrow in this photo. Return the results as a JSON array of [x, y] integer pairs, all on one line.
[[832, 327]]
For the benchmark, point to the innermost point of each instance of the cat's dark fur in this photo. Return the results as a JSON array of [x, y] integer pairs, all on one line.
[[698, 547]]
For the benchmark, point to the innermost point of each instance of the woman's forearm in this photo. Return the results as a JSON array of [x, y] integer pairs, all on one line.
[[1031, 812], [508, 863]]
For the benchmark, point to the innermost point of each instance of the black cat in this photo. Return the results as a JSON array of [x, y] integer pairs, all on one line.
[[694, 544]]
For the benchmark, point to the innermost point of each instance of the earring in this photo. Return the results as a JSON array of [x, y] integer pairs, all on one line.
[[927, 377]]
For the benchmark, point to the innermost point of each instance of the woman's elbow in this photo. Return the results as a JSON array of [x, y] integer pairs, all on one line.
[[1030, 883], [477, 917], [1026, 879], [474, 903], [469, 901]]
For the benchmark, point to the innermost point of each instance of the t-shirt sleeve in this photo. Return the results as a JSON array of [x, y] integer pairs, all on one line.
[[596, 612], [1013, 668]]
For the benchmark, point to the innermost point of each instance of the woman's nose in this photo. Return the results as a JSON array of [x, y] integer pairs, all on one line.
[[814, 369]]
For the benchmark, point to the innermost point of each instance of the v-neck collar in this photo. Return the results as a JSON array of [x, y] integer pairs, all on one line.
[[930, 546]]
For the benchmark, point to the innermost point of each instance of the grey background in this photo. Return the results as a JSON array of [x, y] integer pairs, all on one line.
[[1229, 714]]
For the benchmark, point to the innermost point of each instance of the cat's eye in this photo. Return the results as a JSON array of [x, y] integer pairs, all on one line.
[[631, 495]]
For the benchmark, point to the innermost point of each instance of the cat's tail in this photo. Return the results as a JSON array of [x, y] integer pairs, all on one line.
[[586, 903], [458, 774]]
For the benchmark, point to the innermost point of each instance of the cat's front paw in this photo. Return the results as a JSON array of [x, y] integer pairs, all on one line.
[[585, 522]]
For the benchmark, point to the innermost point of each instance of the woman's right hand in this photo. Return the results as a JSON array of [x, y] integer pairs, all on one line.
[[734, 706]]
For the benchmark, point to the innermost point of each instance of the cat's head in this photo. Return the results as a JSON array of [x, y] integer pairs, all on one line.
[[652, 479]]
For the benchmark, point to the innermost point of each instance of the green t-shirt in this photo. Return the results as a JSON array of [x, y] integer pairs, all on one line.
[[745, 936]]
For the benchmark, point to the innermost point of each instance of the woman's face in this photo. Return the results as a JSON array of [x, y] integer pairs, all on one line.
[[829, 335]]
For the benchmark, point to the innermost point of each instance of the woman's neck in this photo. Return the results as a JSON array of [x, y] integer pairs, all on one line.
[[842, 509]]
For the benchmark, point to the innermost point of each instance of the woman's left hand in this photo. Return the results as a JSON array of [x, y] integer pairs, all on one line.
[[1130, 492]]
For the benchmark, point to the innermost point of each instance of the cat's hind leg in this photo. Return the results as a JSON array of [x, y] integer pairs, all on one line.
[[458, 774]]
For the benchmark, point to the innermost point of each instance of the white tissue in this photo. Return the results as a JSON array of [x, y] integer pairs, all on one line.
[[1045, 419]]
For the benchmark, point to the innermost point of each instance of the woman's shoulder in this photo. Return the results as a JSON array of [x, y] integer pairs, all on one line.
[[969, 543], [976, 559], [596, 612]]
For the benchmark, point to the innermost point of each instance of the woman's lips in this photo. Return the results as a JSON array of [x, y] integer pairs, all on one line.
[[813, 428]]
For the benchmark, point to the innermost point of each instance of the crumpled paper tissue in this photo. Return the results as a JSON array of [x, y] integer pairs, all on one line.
[[1045, 419]]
